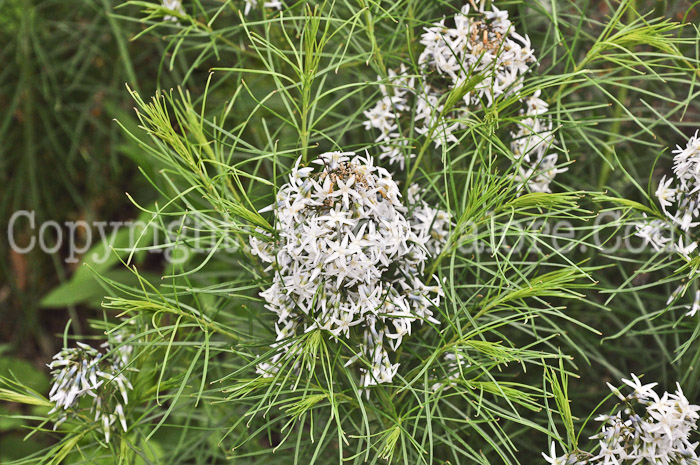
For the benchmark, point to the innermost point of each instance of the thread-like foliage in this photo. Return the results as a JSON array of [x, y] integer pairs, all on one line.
[[498, 367]]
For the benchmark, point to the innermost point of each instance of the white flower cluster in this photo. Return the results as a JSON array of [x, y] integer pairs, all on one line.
[[83, 371], [484, 44], [679, 197], [252, 4], [657, 233], [659, 435], [431, 224], [693, 308], [346, 259], [572, 458], [456, 362], [531, 142], [172, 5], [685, 196], [386, 114], [176, 5]]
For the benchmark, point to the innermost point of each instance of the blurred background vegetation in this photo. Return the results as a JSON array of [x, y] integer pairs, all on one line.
[[63, 69], [64, 66]]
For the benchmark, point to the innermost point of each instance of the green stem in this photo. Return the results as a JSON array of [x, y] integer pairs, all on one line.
[[617, 122], [376, 51]]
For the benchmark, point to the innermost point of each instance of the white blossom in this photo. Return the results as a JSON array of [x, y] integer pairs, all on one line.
[[679, 197], [534, 137], [686, 195], [385, 115], [173, 5], [253, 4], [348, 259], [656, 233], [428, 222], [484, 44], [83, 371], [647, 429], [481, 43], [566, 459], [456, 362], [654, 429], [665, 194], [693, 308]]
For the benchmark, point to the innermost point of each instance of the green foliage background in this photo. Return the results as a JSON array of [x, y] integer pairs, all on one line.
[[237, 100]]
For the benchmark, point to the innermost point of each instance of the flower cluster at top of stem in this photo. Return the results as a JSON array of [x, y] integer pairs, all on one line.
[[253, 4], [455, 362], [648, 429], [83, 371], [684, 198], [679, 197], [176, 5], [348, 259], [483, 45], [173, 5], [535, 167]]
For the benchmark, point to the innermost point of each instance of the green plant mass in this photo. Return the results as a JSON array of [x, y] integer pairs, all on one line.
[[349, 232]]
